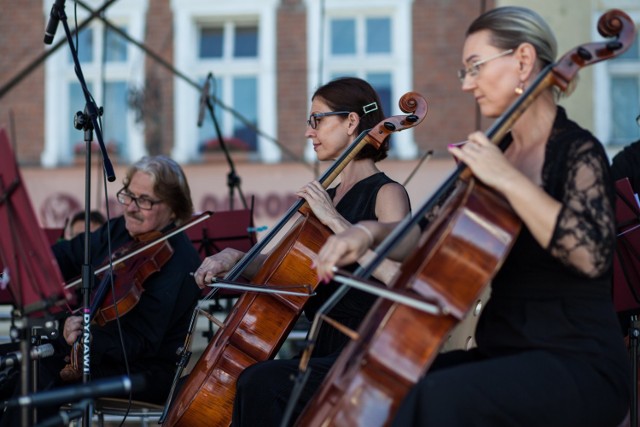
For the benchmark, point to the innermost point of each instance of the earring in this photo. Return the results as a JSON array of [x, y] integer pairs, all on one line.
[[519, 89]]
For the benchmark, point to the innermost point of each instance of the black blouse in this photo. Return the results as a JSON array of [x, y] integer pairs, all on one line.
[[556, 298]]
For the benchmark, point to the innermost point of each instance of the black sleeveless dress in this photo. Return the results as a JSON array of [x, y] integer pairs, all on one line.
[[359, 204]]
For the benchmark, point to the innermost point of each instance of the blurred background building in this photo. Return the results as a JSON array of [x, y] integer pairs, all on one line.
[[145, 62]]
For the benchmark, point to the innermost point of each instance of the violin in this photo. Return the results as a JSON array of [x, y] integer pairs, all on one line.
[[457, 256], [108, 302], [121, 288], [260, 322]]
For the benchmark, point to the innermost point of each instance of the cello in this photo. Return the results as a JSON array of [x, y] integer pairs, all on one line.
[[457, 256], [260, 322]]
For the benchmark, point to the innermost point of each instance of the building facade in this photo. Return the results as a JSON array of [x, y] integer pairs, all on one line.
[[145, 63]]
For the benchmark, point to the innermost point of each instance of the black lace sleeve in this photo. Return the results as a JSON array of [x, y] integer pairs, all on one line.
[[584, 235]]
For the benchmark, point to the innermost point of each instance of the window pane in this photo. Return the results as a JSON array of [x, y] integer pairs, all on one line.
[[245, 101], [378, 35], [625, 98], [76, 103], [114, 120], [211, 42], [381, 82], [116, 46], [246, 42], [207, 136], [343, 36], [84, 47], [338, 74], [632, 52]]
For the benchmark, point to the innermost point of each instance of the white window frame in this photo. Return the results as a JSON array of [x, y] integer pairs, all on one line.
[[602, 73], [188, 15], [399, 11], [59, 74]]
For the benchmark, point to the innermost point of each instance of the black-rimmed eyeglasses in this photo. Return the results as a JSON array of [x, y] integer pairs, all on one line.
[[142, 202], [473, 69], [314, 118]]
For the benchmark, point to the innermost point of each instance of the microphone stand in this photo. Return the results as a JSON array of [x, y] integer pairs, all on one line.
[[88, 122], [233, 180]]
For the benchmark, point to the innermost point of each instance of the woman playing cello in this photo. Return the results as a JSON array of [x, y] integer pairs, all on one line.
[[549, 350], [340, 111]]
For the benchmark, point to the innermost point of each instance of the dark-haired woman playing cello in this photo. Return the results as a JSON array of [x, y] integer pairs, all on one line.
[[340, 111], [549, 351]]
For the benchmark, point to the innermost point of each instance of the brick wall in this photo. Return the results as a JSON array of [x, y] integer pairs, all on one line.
[[22, 107], [438, 36], [158, 91], [437, 41], [292, 76]]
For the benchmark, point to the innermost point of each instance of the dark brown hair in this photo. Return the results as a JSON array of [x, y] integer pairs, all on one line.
[[353, 94]]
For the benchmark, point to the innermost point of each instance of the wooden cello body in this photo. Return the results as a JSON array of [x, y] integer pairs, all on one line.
[[456, 258], [472, 234], [260, 322]]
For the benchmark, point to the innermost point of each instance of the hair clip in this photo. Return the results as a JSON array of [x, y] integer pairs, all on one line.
[[370, 107]]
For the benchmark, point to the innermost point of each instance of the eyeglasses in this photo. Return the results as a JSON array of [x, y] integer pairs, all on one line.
[[125, 198], [474, 68], [314, 118]]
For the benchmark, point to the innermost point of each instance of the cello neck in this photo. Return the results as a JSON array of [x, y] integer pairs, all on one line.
[[326, 179], [614, 23]]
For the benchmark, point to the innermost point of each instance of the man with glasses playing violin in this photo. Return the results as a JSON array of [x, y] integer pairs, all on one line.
[[156, 198]]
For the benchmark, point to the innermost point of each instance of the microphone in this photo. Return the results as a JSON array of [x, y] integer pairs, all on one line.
[[37, 352], [204, 99], [98, 388], [54, 18]]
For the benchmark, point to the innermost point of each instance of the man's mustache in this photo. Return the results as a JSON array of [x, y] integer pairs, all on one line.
[[135, 216]]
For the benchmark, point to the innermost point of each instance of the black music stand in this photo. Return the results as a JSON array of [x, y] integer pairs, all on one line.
[[626, 277], [224, 229], [30, 271], [53, 234]]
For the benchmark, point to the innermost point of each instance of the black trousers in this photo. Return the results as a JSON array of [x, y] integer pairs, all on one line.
[[534, 388], [264, 390]]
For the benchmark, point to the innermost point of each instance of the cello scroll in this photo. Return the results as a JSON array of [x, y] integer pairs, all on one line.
[[614, 23]]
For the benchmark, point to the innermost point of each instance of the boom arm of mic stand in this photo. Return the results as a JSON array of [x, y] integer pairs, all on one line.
[[90, 109]]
